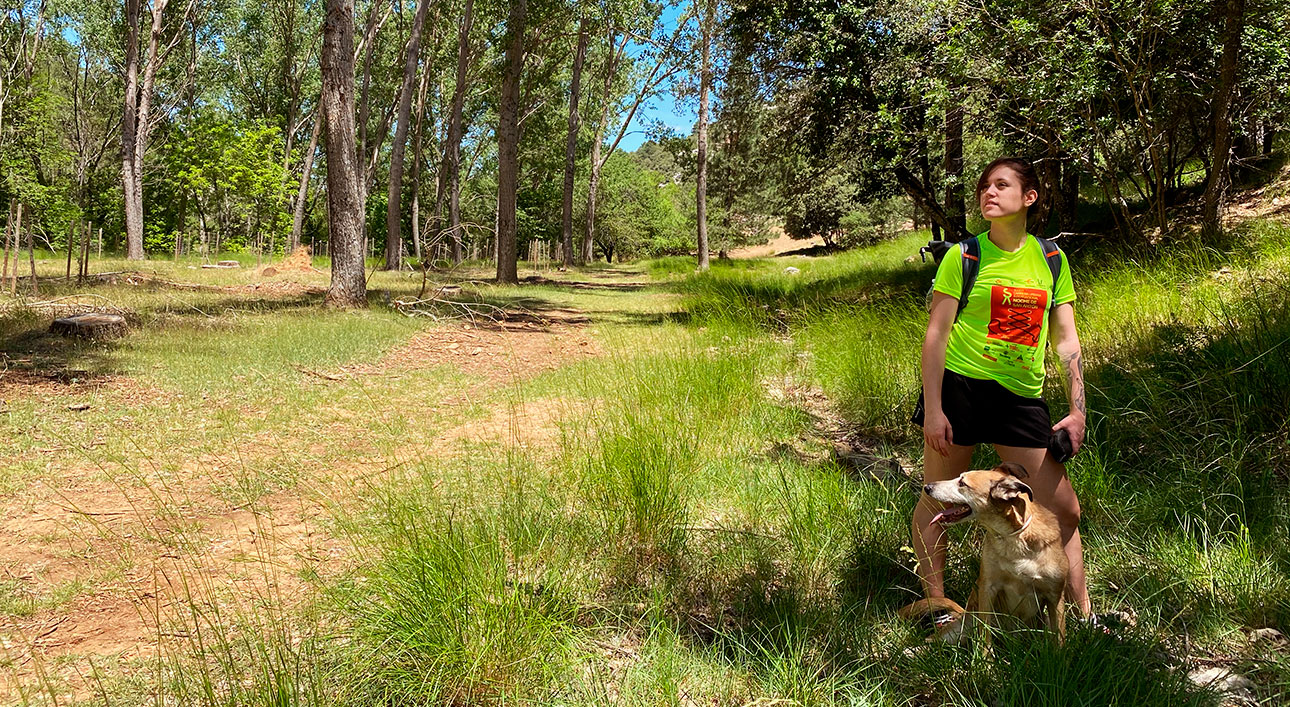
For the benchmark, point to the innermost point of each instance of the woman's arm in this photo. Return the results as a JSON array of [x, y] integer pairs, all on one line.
[[936, 428], [1061, 325]]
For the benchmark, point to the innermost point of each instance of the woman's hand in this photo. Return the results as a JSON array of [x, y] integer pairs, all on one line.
[[937, 432], [1074, 425]]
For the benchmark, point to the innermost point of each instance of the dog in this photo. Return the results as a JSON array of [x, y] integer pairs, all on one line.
[[1023, 564]]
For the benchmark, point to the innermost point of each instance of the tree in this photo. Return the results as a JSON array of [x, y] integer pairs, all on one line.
[[393, 215], [1216, 187], [345, 210], [571, 146], [508, 143], [701, 180], [137, 120]]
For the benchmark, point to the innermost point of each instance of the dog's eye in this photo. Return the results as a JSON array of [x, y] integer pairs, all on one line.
[[962, 482]]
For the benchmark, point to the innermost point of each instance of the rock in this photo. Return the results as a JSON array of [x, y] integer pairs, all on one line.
[[93, 325], [1236, 689], [790, 270], [79, 406], [868, 466], [229, 264], [268, 272], [1268, 637]]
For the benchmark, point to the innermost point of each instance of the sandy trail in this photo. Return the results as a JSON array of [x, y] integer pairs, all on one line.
[[96, 572]]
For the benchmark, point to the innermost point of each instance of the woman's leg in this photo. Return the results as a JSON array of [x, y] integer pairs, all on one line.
[[1053, 490], [929, 540]]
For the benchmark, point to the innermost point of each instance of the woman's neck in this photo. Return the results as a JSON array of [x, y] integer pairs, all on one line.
[[1008, 234]]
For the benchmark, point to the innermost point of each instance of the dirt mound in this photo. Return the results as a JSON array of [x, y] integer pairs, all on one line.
[[300, 260]]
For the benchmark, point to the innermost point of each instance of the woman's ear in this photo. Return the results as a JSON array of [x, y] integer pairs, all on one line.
[[1030, 197]]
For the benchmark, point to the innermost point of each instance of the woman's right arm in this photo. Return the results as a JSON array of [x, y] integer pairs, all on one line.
[[936, 427]]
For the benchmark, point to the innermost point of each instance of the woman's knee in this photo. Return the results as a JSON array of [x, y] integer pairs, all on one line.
[[1067, 511]]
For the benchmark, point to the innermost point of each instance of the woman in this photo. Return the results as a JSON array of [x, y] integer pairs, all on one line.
[[983, 369]]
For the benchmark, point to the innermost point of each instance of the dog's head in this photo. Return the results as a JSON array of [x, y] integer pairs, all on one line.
[[982, 495]]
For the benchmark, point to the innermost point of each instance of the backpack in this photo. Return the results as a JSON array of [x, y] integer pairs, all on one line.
[[971, 251]]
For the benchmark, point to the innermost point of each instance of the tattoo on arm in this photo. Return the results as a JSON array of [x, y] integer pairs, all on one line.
[[1074, 364]]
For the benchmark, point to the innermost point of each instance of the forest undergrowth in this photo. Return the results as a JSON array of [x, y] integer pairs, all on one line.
[[683, 533]]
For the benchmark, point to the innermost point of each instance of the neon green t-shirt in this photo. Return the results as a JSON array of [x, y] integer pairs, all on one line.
[[1002, 334]]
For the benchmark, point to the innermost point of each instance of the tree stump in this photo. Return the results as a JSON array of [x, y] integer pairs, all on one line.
[[95, 325]]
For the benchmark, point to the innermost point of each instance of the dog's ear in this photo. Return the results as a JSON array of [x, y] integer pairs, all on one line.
[[1013, 469], [1010, 488]]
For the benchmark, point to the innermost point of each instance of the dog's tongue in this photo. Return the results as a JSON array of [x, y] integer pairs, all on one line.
[[950, 515]]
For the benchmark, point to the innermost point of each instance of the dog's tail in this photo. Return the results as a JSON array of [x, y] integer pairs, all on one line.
[[923, 607]]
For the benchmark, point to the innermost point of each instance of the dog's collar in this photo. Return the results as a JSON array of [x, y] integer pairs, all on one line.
[[1023, 527]]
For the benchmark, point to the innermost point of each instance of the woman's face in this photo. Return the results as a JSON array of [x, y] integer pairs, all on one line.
[[1003, 196]]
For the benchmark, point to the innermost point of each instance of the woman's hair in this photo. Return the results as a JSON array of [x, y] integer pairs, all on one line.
[[1025, 171]]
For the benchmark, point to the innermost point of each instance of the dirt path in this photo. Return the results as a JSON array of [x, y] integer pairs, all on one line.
[[780, 243], [96, 572]]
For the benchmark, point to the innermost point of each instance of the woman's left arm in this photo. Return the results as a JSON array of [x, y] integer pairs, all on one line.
[[1061, 325]]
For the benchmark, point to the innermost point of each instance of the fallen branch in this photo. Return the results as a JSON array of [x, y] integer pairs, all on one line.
[[318, 374], [460, 310]]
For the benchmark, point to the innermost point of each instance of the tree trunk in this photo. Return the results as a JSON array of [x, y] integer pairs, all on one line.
[[345, 210], [954, 162], [418, 154], [571, 145], [298, 213], [1216, 187], [31, 257], [16, 248], [9, 239], [135, 123], [593, 181], [452, 150], [374, 22], [701, 176], [1069, 195], [508, 139], [393, 210], [925, 199]]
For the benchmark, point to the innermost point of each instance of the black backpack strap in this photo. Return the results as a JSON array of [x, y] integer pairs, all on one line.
[[1053, 256], [971, 252]]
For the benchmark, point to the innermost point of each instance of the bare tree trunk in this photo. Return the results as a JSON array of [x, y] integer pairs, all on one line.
[[393, 210], [1219, 177], [298, 213], [345, 210], [701, 176], [571, 144]]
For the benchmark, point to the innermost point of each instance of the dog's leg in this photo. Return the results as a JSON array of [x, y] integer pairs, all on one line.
[[1057, 617], [985, 618]]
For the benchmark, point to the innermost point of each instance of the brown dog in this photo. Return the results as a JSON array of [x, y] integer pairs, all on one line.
[[1023, 565]]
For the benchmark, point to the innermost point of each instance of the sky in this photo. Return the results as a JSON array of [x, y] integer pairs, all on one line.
[[662, 107]]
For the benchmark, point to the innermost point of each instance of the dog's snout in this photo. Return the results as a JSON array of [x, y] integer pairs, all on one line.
[[927, 489]]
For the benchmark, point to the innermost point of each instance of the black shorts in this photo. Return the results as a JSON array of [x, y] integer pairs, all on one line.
[[985, 412]]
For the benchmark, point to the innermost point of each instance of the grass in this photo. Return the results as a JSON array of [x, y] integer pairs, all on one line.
[[686, 536]]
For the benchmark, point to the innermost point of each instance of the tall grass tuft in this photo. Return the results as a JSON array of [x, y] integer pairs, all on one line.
[[637, 487], [448, 615]]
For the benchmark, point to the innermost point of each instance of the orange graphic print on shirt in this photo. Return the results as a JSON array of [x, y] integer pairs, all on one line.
[[1017, 314]]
